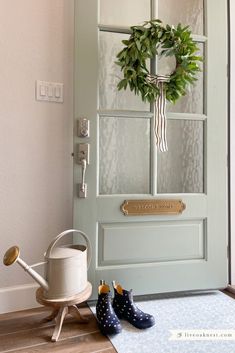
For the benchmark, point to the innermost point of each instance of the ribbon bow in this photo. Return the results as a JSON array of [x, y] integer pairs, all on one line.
[[160, 111]]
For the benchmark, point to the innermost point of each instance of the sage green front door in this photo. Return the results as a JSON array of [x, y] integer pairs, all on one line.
[[152, 253]]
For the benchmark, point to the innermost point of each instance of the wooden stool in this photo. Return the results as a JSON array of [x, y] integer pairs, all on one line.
[[64, 306]]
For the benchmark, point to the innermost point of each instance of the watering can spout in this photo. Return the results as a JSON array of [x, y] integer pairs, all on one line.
[[12, 255]]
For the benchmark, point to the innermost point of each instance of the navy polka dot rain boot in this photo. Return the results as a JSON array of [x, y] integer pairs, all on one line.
[[125, 308], [107, 319]]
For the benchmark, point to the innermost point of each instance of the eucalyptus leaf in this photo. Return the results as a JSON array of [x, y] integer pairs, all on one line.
[[149, 40]]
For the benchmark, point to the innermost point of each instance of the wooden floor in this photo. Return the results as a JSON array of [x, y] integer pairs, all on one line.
[[27, 331]]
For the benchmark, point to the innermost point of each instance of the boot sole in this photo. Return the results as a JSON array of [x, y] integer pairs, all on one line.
[[109, 331]]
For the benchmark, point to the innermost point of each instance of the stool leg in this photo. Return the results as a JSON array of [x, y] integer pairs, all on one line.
[[73, 310], [59, 321]]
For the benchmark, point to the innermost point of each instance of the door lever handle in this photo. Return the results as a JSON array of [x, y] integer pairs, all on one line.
[[83, 164], [83, 161], [82, 187]]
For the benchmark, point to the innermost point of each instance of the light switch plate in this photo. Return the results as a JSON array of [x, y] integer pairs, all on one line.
[[49, 91]]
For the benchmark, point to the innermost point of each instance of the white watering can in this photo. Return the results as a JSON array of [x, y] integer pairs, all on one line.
[[65, 270]]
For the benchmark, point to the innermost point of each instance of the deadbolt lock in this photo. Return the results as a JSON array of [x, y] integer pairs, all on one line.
[[83, 152], [83, 127]]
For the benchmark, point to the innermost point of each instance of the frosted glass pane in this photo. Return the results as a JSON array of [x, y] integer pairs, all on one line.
[[193, 101], [180, 169], [124, 13], [124, 152], [185, 12], [110, 74]]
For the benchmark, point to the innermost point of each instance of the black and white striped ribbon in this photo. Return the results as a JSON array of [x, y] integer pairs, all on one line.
[[160, 111]]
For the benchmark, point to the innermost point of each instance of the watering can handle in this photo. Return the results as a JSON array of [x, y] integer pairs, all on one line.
[[59, 236]]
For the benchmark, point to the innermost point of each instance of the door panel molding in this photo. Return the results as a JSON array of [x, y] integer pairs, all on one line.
[[125, 243]]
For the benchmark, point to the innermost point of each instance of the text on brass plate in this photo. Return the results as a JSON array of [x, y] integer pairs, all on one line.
[[152, 207]]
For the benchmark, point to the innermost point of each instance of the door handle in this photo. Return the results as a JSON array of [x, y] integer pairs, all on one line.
[[82, 187], [83, 174], [83, 161]]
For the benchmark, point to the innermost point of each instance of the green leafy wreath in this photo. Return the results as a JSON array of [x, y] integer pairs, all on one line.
[[149, 40]]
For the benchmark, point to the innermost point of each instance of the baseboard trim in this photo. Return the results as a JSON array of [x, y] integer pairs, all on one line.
[[17, 298], [231, 288]]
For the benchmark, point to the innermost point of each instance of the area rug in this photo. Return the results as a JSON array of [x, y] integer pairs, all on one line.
[[189, 323]]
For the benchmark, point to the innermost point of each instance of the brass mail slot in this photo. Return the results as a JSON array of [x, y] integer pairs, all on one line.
[[152, 207]]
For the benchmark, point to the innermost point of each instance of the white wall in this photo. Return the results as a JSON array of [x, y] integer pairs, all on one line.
[[36, 42], [232, 134]]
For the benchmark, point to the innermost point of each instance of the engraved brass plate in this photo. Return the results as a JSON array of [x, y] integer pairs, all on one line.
[[152, 207]]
